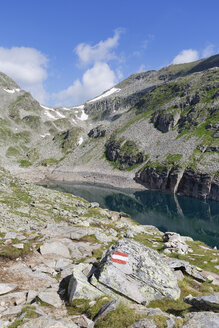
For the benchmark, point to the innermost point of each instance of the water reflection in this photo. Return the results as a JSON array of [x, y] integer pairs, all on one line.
[[188, 216]]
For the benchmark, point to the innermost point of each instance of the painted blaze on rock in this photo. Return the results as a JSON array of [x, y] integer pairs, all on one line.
[[137, 272]]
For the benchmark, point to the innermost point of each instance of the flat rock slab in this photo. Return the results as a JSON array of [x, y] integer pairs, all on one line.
[[56, 248], [208, 302], [51, 297], [137, 272], [202, 320], [7, 288], [48, 322]]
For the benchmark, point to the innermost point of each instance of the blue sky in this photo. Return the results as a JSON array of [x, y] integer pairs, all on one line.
[[68, 51]]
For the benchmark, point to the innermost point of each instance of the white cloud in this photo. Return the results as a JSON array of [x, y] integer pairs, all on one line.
[[208, 51], [94, 81], [186, 56], [27, 66], [102, 51], [97, 78]]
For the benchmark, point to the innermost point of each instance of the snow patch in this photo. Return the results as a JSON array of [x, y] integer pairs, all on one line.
[[60, 115], [47, 113], [65, 108], [48, 108], [80, 141], [106, 94], [80, 107], [83, 116], [73, 120], [45, 135], [9, 91]]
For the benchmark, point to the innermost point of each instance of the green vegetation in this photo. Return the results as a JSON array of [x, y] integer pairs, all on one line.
[[12, 152], [48, 161], [25, 163], [201, 258], [67, 140], [16, 323], [122, 317]]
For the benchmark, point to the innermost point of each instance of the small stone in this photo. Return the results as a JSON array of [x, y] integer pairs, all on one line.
[[6, 288], [19, 246]]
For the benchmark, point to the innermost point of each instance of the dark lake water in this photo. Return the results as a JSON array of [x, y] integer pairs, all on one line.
[[188, 216]]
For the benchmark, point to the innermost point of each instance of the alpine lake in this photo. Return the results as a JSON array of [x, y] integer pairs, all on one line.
[[188, 216]]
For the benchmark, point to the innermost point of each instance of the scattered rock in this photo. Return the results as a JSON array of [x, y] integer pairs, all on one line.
[[143, 323], [174, 243], [205, 303], [185, 267], [83, 322]]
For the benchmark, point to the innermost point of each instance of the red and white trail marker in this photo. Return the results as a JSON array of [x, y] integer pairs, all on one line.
[[119, 257]]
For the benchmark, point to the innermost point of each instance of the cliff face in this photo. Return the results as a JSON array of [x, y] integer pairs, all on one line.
[[186, 182]]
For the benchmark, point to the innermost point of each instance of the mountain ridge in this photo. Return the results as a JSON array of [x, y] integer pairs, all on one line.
[[169, 116]]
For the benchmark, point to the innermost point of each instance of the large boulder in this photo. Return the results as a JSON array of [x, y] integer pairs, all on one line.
[[136, 272]]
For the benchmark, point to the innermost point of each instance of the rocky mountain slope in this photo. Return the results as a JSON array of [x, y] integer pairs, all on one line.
[[67, 263], [158, 128]]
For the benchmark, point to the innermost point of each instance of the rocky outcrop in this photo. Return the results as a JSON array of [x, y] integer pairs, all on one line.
[[124, 153], [159, 177], [164, 121], [136, 272], [97, 132], [199, 185], [177, 180]]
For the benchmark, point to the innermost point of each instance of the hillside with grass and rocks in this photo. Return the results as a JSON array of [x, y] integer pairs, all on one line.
[[156, 130], [66, 262]]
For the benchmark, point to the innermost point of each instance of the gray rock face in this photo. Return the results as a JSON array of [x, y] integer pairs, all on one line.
[[208, 302], [137, 272], [202, 320], [174, 180]]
